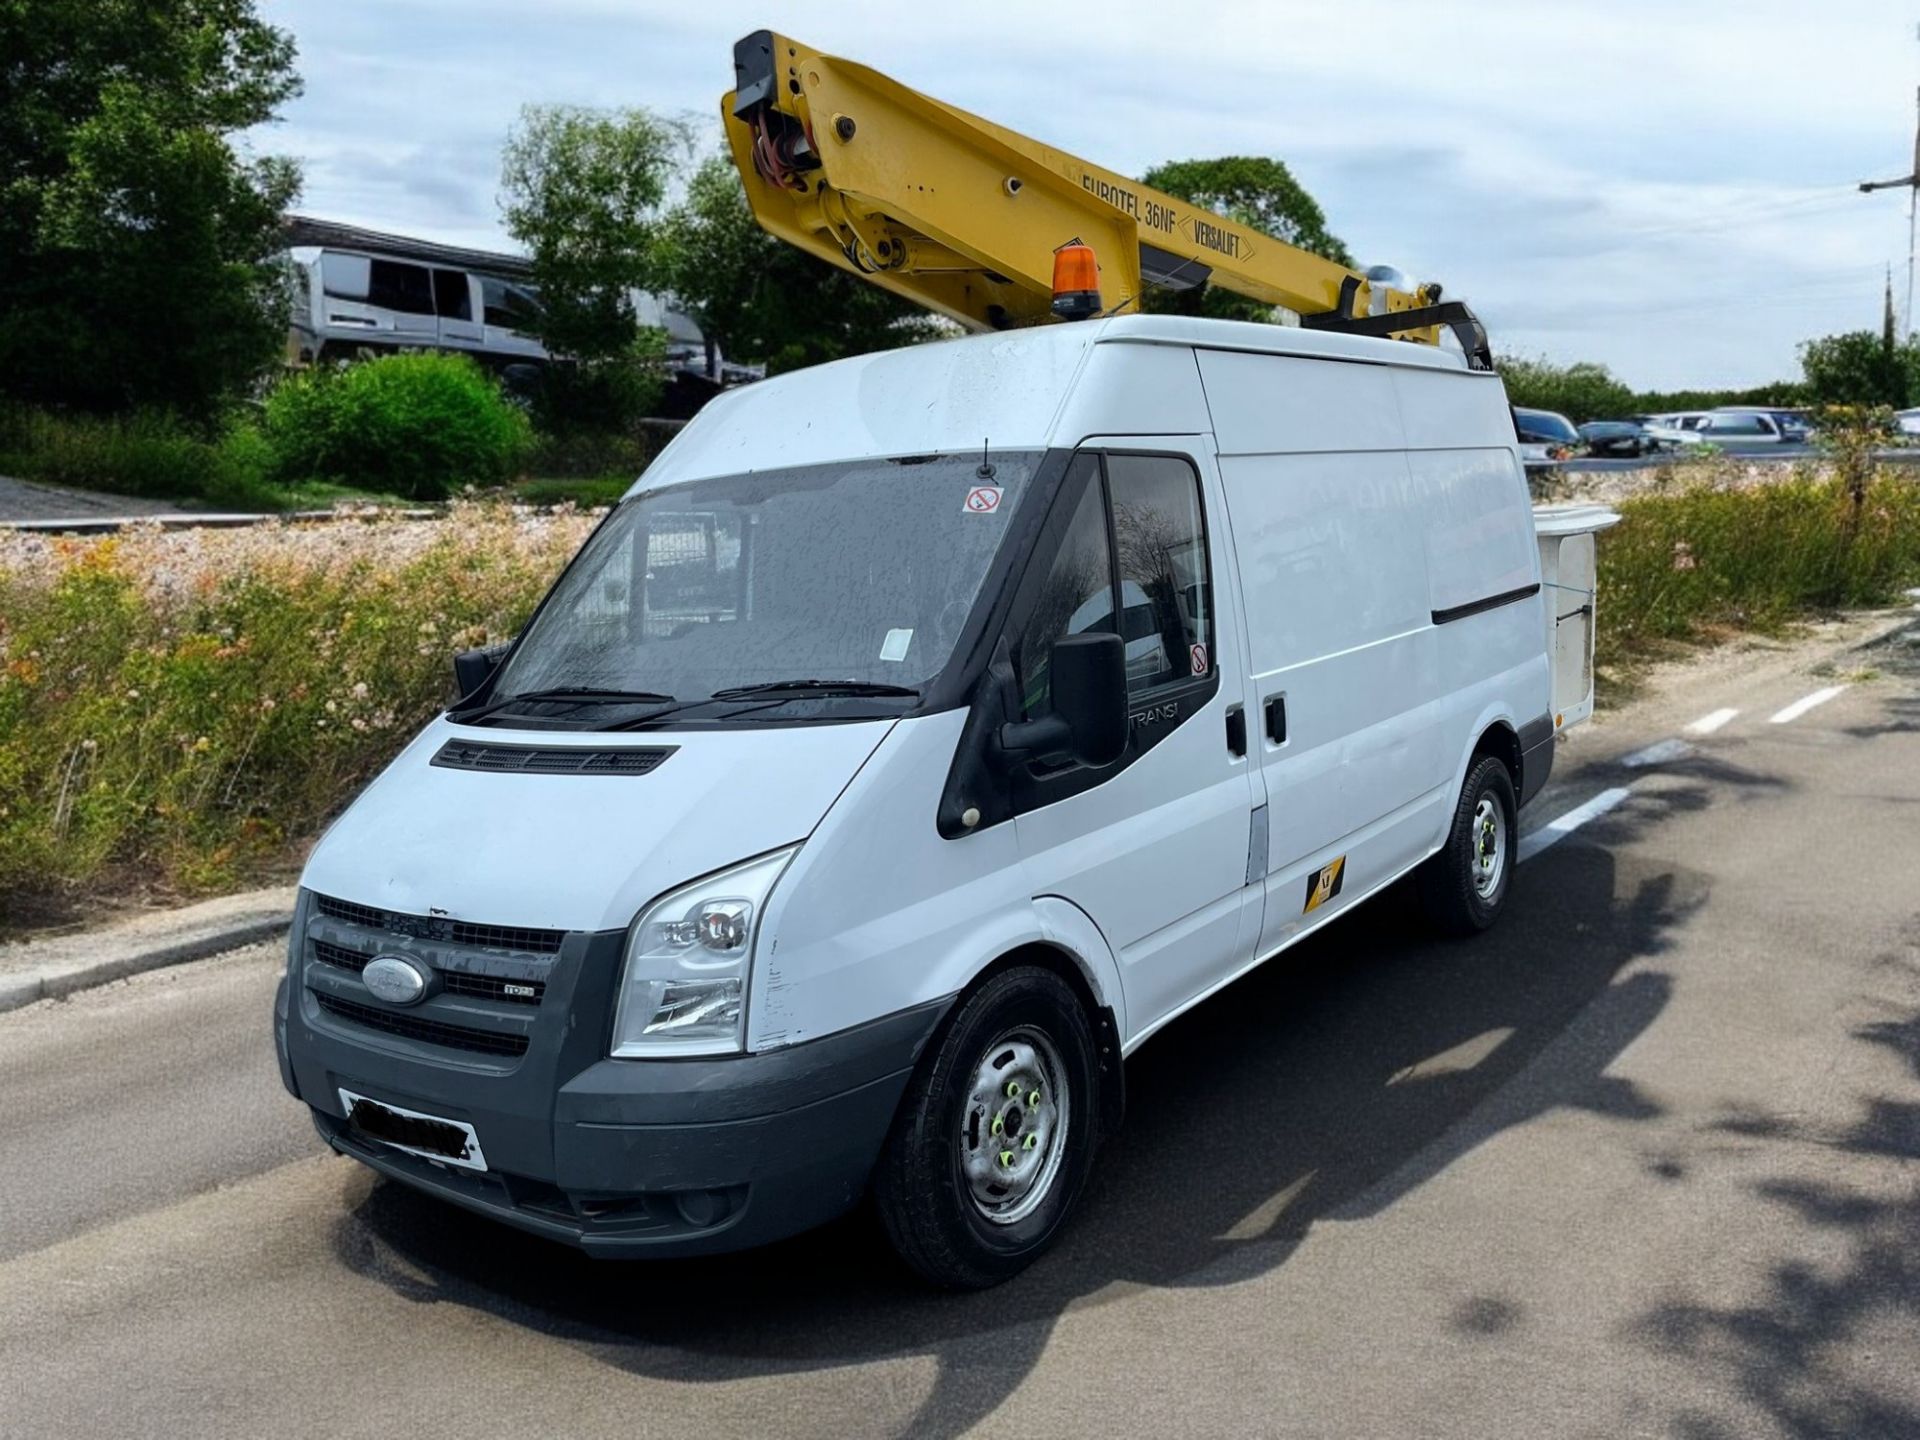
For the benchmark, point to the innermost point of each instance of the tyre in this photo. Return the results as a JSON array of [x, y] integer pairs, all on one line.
[[1465, 885], [995, 1134]]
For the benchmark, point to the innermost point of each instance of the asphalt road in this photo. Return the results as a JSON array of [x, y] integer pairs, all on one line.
[[1641, 1162]]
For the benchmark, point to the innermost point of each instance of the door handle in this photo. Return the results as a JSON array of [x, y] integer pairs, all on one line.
[[1277, 719], [1237, 730]]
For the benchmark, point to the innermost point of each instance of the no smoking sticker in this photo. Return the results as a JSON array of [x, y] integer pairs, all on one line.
[[983, 500], [1197, 654]]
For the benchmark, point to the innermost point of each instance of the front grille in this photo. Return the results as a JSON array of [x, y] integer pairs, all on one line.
[[338, 955], [351, 913], [437, 927], [412, 1027], [506, 937], [552, 760], [455, 982]]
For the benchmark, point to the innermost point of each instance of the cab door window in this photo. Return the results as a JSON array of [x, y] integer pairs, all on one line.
[[1160, 542], [1077, 596]]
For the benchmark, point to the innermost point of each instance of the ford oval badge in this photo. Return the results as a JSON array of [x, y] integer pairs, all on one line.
[[395, 980]]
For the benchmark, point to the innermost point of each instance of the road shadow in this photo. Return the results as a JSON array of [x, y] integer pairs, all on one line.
[[1826, 1349], [1325, 1085]]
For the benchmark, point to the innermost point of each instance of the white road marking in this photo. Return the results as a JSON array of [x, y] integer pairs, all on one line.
[[1707, 724], [1804, 704], [1556, 831], [1658, 754]]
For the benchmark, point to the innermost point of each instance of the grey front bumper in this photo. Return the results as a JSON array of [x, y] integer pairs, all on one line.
[[619, 1157]]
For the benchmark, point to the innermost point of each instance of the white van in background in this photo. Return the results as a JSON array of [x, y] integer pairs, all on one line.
[[348, 303], [920, 735]]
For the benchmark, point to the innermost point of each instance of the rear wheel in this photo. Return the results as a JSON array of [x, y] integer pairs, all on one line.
[[995, 1136], [1465, 885]]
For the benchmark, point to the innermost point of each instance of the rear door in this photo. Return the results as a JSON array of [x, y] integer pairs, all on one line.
[[1155, 848]]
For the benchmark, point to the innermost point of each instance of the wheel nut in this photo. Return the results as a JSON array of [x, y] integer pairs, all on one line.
[[1006, 1159], [1013, 1089], [1034, 1098], [1032, 1140], [996, 1125]]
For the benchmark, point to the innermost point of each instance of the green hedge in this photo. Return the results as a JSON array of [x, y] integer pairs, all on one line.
[[419, 425], [148, 453]]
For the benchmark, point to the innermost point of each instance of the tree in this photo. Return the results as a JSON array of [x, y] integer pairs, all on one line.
[[1859, 368], [582, 190], [137, 248], [1254, 191], [1581, 391], [765, 301]]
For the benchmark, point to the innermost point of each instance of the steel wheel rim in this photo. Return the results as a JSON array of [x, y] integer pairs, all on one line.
[[1489, 846], [1013, 1128]]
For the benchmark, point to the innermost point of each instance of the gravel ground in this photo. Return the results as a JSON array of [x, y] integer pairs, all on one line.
[[29, 500]]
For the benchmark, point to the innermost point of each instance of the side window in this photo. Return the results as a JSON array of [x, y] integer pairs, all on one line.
[[1166, 603], [343, 276], [406, 288], [451, 295], [1077, 597], [511, 307]]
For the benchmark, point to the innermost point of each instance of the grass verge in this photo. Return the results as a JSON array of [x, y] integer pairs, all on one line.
[[188, 707], [1716, 557]]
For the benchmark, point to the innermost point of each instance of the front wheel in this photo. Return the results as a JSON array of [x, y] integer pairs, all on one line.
[[1465, 885], [995, 1135]]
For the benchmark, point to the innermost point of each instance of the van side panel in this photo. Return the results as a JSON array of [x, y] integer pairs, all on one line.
[[1480, 547], [1327, 531], [1277, 404]]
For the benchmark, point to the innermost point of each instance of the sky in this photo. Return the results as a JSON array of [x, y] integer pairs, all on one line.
[[1664, 186]]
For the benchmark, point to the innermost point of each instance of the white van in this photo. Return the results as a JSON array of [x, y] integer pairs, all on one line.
[[822, 833], [349, 302]]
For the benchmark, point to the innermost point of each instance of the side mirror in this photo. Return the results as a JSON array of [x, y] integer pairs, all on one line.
[[473, 668], [1088, 724]]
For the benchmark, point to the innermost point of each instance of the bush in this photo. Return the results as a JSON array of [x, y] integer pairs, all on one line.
[[149, 453], [188, 706], [1716, 555], [420, 425]]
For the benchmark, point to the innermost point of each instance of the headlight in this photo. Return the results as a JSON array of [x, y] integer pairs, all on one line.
[[683, 988]]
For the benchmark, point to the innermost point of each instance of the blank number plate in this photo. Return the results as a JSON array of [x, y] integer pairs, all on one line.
[[451, 1142]]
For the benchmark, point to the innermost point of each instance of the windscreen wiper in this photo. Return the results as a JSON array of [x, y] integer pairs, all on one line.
[[564, 694], [815, 687]]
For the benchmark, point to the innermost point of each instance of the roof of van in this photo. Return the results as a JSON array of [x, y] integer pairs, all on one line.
[[1270, 339], [1008, 390]]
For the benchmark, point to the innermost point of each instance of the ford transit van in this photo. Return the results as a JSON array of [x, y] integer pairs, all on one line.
[[919, 736]]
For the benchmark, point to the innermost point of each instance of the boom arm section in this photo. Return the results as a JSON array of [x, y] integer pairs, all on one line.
[[963, 216]]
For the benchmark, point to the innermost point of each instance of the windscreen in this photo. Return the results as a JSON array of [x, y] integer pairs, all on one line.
[[862, 571]]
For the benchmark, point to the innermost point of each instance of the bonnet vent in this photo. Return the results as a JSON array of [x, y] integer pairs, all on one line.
[[560, 760]]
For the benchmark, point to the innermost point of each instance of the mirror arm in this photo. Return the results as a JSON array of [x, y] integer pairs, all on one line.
[[1040, 739]]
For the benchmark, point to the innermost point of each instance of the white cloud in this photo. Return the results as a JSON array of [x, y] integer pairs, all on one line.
[[1662, 187]]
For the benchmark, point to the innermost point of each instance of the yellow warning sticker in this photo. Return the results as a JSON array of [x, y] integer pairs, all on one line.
[[1324, 884]]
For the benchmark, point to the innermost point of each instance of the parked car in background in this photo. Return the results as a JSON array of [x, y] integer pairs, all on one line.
[[1908, 421], [1738, 430], [1617, 438], [1544, 436], [1793, 425], [1673, 428]]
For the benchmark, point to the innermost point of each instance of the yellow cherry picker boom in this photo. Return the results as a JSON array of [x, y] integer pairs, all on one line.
[[996, 230]]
